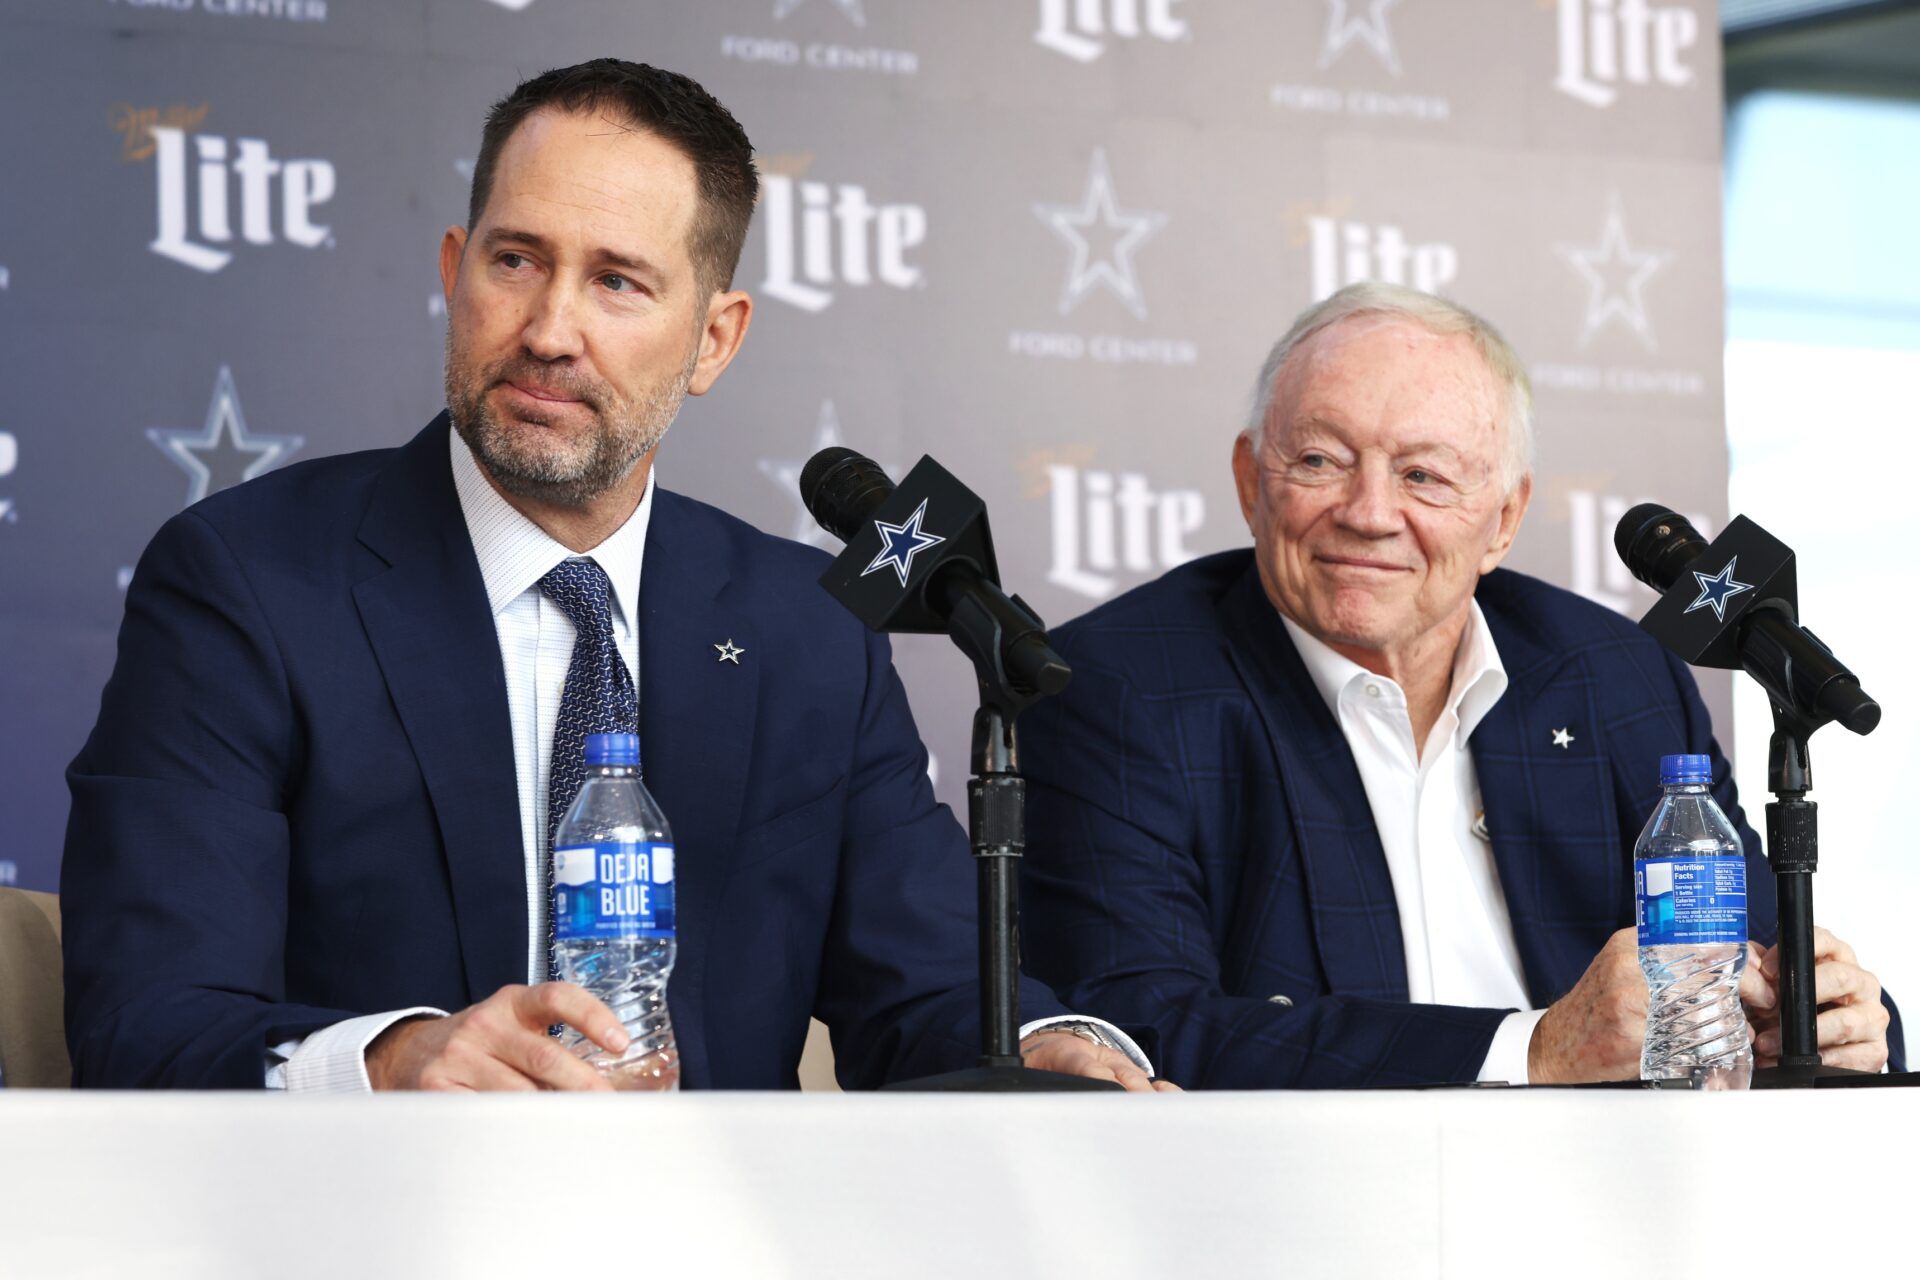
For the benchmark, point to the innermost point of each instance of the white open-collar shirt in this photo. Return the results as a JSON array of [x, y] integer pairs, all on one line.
[[1454, 925]]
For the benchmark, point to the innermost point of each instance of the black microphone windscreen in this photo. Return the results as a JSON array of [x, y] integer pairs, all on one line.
[[841, 488], [1656, 543]]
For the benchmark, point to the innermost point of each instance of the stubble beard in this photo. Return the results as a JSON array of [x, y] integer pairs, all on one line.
[[559, 472]]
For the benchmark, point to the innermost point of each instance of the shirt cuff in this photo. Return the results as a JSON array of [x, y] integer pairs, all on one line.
[[1121, 1038], [1507, 1055], [334, 1059]]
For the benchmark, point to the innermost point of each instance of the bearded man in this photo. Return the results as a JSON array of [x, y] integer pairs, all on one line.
[[315, 814]]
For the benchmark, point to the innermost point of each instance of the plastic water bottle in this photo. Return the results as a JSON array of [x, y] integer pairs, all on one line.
[[1690, 882], [613, 911]]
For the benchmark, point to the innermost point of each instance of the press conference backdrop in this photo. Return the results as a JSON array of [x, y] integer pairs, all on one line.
[[1047, 241]]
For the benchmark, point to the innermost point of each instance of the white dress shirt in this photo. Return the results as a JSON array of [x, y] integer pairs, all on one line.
[[1454, 924], [536, 647]]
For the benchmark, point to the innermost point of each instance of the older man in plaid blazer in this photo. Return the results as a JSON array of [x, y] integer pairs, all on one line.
[[1355, 806]]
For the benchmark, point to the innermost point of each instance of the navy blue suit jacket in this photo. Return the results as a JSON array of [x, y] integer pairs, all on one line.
[[299, 803], [1200, 843]]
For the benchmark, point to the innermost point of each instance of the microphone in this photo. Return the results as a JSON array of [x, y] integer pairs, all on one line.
[[1734, 602], [919, 558]]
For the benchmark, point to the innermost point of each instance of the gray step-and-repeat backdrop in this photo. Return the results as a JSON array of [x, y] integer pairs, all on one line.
[[1047, 241]]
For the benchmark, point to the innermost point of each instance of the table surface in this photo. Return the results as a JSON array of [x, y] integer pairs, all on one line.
[[1365, 1184]]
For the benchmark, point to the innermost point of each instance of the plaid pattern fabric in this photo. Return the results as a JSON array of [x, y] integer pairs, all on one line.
[[1202, 860]]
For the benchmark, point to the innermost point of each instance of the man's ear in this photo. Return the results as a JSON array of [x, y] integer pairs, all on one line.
[[1511, 512], [453, 245], [1246, 476], [728, 315]]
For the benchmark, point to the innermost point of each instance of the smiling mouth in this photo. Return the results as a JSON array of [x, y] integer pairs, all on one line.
[[1361, 562]]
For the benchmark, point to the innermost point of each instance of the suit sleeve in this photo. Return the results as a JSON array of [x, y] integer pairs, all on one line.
[[1120, 921], [1763, 918], [899, 986], [174, 879]]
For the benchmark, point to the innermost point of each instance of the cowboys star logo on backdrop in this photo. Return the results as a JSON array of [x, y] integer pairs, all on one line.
[[1353, 37], [784, 46], [1611, 276], [213, 194], [1603, 44], [1615, 274], [821, 234], [1080, 29], [222, 452], [1102, 236]]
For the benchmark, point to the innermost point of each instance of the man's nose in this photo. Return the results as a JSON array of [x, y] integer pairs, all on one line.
[[1371, 506], [553, 332]]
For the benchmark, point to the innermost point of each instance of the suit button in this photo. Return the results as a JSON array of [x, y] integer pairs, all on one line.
[[1285, 1002]]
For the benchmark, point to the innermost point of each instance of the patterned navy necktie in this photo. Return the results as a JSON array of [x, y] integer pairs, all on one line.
[[599, 698]]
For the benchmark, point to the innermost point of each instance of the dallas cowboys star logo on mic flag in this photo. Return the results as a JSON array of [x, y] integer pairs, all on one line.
[[900, 543], [1717, 589]]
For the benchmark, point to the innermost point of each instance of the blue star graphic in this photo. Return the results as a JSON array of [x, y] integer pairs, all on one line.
[[1717, 590], [900, 543], [223, 452]]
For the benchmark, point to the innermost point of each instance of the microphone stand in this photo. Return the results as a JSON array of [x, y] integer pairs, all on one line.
[[1793, 851], [997, 824]]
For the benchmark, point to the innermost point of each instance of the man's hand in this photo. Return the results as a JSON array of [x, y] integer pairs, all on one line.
[[1852, 1024], [1594, 1032], [499, 1044], [1069, 1054]]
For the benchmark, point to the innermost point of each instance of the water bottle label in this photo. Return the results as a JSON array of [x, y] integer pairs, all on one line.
[[613, 889], [1689, 901]]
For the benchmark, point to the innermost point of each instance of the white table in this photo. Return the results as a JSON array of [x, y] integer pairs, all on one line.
[[1393, 1185]]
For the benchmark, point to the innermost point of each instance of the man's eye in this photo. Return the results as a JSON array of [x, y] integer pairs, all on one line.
[[1419, 476], [1313, 460], [511, 260], [618, 284]]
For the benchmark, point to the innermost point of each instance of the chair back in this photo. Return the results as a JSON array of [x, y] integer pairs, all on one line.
[[33, 1038]]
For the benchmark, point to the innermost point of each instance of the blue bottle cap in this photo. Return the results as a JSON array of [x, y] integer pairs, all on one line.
[[624, 749], [1683, 771]]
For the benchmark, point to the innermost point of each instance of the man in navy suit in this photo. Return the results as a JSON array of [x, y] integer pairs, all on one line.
[[309, 831], [1355, 806]]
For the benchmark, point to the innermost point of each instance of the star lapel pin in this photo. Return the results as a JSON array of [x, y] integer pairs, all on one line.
[[729, 652], [1563, 739]]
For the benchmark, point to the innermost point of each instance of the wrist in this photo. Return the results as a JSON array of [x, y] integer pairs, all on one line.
[[385, 1052]]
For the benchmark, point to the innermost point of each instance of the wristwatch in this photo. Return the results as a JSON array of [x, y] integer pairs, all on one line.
[[1091, 1032]]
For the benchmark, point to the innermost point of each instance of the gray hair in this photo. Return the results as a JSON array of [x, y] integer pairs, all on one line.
[[1433, 313]]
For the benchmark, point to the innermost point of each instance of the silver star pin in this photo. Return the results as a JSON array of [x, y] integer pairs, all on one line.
[[1562, 739], [730, 652]]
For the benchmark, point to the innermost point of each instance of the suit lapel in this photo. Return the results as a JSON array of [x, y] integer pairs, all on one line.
[[1549, 808], [696, 730], [1356, 922], [433, 634]]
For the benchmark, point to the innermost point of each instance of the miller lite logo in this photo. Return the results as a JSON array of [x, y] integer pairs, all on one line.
[[1105, 523], [210, 191], [821, 234], [1077, 28], [1604, 43], [1345, 253]]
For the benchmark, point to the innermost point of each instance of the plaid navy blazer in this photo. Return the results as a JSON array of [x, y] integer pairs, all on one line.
[[1200, 844]]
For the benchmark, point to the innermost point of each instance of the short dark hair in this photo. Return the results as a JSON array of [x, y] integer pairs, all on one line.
[[663, 103]]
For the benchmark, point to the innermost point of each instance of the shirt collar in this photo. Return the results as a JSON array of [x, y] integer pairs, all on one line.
[[515, 553], [1479, 677]]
